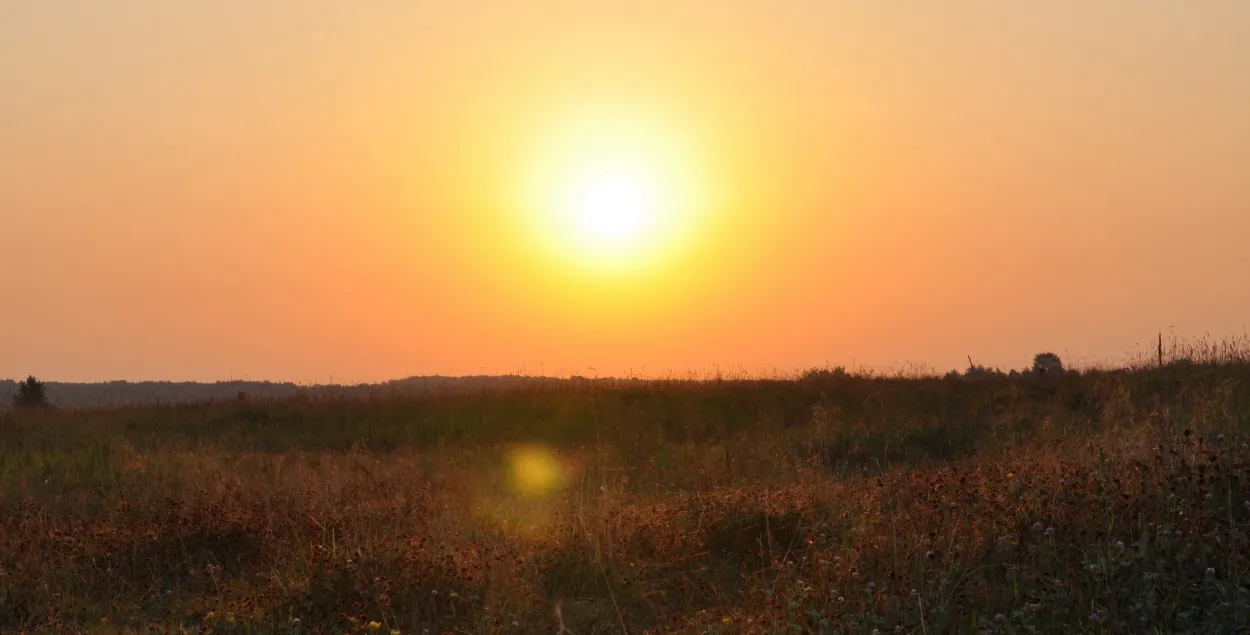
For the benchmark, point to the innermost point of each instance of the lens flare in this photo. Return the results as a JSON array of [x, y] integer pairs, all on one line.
[[537, 471]]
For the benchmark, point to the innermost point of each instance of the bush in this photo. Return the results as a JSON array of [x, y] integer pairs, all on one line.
[[1047, 364], [31, 394]]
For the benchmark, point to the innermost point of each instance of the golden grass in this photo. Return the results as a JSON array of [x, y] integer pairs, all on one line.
[[1104, 502]]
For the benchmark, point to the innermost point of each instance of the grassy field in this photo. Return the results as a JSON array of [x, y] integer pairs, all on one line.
[[1094, 502]]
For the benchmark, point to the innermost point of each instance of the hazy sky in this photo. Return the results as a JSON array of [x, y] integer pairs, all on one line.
[[307, 189]]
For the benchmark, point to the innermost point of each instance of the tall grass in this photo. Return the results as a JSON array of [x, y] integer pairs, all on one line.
[[1100, 501]]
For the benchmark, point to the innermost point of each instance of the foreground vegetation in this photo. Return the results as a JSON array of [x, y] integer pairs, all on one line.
[[1098, 502]]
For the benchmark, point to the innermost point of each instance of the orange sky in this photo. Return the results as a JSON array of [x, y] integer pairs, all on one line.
[[312, 189]]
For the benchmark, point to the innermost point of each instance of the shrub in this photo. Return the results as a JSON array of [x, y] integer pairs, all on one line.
[[31, 394], [1047, 364]]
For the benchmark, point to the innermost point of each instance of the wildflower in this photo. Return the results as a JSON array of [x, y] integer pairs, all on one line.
[[1037, 526], [1050, 531], [999, 617], [1119, 545], [872, 587], [394, 631], [230, 619], [1210, 572], [453, 594], [1011, 475], [726, 620], [375, 625], [929, 555], [295, 622], [211, 615]]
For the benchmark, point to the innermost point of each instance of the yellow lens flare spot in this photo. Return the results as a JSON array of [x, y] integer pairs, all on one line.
[[537, 471]]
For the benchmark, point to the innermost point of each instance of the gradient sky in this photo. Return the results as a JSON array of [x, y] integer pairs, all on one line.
[[312, 189]]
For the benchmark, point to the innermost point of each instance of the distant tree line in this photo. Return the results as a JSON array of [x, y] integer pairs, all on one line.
[[120, 393]]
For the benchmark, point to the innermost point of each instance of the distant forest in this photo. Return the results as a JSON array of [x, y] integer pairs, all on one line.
[[120, 393]]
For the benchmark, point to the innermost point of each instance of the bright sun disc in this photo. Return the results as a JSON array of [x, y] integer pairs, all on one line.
[[611, 195], [612, 208]]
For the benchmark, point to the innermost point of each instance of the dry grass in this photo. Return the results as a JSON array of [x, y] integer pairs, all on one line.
[[1105, 502]]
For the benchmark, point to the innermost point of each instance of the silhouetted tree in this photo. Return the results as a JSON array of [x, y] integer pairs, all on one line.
[[31, 394], [1047, 364]]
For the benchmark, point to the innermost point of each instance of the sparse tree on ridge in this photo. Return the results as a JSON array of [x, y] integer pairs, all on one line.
[[1047, 364], [31, 393]]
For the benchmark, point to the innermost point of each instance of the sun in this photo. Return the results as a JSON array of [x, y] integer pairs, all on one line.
[[613, 208], [608, 195]]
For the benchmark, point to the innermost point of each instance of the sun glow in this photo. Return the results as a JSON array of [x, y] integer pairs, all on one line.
[[612, 207], [611, 196]]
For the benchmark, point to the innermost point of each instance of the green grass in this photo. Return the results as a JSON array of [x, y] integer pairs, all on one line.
[[1100, 502]]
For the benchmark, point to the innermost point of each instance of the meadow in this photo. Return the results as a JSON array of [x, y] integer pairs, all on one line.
[[1098, 501]]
